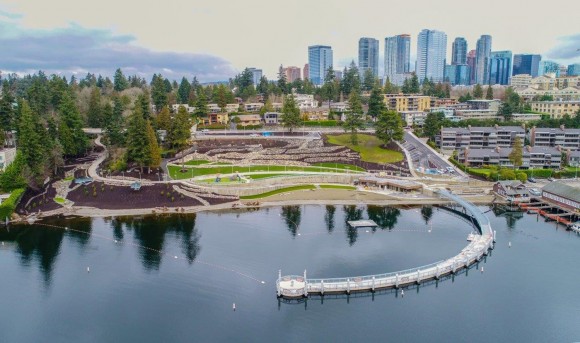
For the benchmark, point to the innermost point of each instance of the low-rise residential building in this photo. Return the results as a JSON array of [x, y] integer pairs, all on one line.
[[476, 137], [249, 119], [562, 194], [512, 190], [555, 137], [189, 109], [272, 118], [253, 106], [521, 81], [532, 157], [315, 113], [305, 101], [565, 94], [573, 158], [411, 118], [556, 109], [407, 102], [7, 156], [443, 102], [216, 118], [526, 117]]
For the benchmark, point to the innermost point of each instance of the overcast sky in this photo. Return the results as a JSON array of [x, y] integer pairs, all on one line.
[[214, 39]]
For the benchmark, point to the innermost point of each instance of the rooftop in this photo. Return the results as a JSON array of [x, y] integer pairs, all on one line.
[[563, 190]]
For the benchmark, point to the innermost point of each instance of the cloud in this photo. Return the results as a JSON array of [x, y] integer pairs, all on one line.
[[10, 15], [568, 48], [78, 50]]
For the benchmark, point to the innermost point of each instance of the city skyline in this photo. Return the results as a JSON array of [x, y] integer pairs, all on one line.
[[101, 43]]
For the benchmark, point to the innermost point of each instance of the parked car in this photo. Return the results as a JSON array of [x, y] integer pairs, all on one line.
[[531, 179], [254, 135], [205, 130], [535, 191], [550, 179]]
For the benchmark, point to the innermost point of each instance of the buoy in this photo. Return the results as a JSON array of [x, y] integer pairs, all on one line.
[[263, 282], [298, 234], [88, 270], [402, 293], [510, 244], [234, 306], [66, 228], [482, 269], [175, 256], [116, 241]]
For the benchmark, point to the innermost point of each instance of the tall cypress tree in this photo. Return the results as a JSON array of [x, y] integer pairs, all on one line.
[[137, 141], [71, 135], [180, 129], [114, 125], [183, 91], [31, 144], [94, 113], [154, 159], [290, 113]]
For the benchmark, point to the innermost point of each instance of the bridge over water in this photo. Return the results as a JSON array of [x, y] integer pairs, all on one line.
[[299, 286]]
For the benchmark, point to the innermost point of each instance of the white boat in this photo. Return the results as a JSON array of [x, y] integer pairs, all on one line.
[[575, 227]]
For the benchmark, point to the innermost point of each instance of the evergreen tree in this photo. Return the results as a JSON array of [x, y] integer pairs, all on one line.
[[376, 102], [516, 155], [489, 93], [465, 98], [114, 126], [478, 91], [31, 145], [282, 81], [154, 159], [432, 125], [427, 88], [290, 113], [414, 84], [262, 87], [163, 121], [369, 80], [159, 93], [71, 136], [389, 127], [328, 89], [390, 88], [180, 131], [7, 113], [201, 109], [119, 81], [183, 91], [145, 104], [222, 100], [137, 141], [354, 121], [94, 114]]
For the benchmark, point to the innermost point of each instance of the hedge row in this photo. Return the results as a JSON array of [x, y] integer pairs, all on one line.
[[9, 205], [323, 123]]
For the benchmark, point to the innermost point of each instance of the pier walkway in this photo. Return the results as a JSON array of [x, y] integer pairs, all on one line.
[[298, 286]]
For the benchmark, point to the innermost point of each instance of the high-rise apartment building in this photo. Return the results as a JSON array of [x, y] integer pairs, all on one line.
[[292, 73], [368, 55], [482, 54], [573, 69], [431, 53], [305, 72], [471, 63], [459, 51], [526, 64], [256, 75], [319, 60], [397, 58], [500, 67]]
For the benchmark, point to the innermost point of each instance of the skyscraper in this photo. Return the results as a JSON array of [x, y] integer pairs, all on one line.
[[526, 64], [256, 75], [292, 73], [459, 51], [483, 52], [397, 57], [319, 60], [368, 55], [431, 52], [471, 63], [549, 67], [500, 67]]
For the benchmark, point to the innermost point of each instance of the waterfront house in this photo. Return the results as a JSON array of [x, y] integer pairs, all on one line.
[[511, 190]]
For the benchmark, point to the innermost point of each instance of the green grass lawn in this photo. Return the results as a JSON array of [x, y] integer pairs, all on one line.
[[369, 148], [196, 162], [59, 200], [339, 166], [176, 174], [278, 191], [350, 188]]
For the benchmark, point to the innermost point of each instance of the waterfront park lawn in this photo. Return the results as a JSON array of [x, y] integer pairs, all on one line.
[[369, 147], [190, 171]]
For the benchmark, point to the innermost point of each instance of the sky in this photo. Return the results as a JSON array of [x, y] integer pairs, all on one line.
[[216, 39]]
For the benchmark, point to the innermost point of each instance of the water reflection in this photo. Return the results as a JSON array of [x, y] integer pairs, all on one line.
[[385, 216], [150, 235], [292, 216], [351, 212], [427, 213], [329, 217], [511, 214]]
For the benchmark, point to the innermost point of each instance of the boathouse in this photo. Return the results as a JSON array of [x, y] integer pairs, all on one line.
[[512, 190], [563, 195]]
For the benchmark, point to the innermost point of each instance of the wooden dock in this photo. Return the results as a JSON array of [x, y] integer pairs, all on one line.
[[295, 286]]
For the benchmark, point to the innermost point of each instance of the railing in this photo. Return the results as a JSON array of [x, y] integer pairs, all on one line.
[[472, 253]]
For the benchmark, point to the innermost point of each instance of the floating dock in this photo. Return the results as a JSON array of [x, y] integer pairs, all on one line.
[[299, 286], [355, 224]]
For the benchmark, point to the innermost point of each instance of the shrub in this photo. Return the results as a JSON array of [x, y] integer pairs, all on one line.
[[9, 205], [11, 178], [248, 127], [507, 174], [523, 177], [323, 123], [543, 173]]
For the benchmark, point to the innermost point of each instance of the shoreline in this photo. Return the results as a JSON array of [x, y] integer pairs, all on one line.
[[344, 197]]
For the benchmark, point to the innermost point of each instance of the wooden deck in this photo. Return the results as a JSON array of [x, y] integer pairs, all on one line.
[[474, 252]]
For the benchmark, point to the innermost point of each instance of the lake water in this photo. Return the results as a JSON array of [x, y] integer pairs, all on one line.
[[175, 278]]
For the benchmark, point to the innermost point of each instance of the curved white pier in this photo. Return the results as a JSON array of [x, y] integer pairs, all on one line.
[[294, 286]]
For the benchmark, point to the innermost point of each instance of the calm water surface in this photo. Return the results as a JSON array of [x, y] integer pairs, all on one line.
[[175, 278]]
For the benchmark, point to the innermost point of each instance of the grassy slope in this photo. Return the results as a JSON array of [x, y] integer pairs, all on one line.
[[278, 191], [369, 148]]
